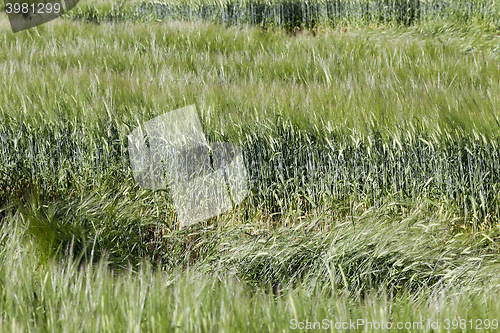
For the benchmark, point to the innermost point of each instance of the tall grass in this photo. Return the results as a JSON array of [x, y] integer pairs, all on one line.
[[377, 268], [292, 14], [334, 120], [372, 156]]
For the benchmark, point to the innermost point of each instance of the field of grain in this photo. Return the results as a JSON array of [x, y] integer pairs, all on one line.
[[371, 141]]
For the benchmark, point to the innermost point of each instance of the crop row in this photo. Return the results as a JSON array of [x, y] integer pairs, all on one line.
[[292, 14], [289, 169]]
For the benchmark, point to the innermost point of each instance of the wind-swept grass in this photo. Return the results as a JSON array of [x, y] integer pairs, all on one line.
[[373, 165], [356, 117], [376, 268]]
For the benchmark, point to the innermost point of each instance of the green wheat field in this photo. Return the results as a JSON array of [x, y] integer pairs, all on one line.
[[371, 134]]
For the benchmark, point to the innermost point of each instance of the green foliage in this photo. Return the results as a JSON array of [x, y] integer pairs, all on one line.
[[298, 14], [353, 117], [378, 268], [373, 161]]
